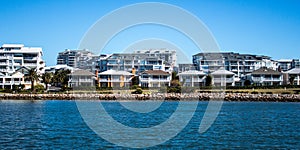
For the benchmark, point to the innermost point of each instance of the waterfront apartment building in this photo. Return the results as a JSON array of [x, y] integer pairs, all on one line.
[[288, 64], [140, 60], [14, 59], [240, 64], [82, 59]]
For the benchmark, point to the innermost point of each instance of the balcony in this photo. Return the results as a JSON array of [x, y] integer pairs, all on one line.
[[85, 80], [153, 80], [3, 57], [227, 80], [30, 58]]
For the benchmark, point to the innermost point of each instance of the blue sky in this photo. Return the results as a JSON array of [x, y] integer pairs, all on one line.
[[265, 27]]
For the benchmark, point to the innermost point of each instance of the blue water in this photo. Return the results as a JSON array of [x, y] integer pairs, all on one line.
[[240, 125]]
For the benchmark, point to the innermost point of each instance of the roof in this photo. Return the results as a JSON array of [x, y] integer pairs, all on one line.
[[115, 72], [266, 71], [285, 60], [59, 67], [23, 69], [17, 74], [155, 72], [81, 72], [293, 71], [191, 72], [222, 72], [12, 45]]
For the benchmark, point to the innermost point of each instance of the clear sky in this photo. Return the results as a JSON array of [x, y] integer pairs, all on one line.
[[265, 27]]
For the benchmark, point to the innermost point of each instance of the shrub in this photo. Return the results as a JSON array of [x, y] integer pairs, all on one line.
[[134, 87], [138, 91], [39, 88], [254, 92]]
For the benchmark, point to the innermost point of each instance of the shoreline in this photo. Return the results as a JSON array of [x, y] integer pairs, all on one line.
[[166, 96]]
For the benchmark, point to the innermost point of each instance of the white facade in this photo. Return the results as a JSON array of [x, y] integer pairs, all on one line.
[[14, 56], [15, 61], [223, 77], [192, 78], [113, 78], [155, 78], [266, 77], [81, 78]]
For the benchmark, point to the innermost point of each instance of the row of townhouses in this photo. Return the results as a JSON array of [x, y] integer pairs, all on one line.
[[152, 68]]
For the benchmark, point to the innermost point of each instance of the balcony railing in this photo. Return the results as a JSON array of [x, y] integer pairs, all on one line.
[[228, 80]]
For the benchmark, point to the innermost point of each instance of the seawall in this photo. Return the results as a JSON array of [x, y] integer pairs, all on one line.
[[158, 96]]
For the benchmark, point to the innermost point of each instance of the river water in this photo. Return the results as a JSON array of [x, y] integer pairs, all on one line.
[[59, 125]]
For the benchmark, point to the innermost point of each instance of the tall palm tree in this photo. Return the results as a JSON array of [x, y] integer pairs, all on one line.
[[32, 76], [47, 78]]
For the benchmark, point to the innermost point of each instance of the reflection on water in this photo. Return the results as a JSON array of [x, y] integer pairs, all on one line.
[[57, 124]]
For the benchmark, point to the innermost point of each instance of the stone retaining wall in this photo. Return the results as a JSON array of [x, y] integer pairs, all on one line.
[[192, 96]]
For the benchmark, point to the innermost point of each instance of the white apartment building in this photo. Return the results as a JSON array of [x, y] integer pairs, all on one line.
[[82, 59], [240, 64], [141, 60], [15, 61], [14, 56]]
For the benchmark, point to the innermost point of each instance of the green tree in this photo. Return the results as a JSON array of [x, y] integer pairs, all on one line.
[[138, 91], [61, 78], [174, 76], [291, 80], [39, 88], [208, 80], [135, 81], [47, 79], [32, 76], [247, 83]]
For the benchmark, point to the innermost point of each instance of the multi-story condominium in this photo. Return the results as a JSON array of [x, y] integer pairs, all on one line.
[[192, 78], [114, 78], [169, 56], [155, 78], [14, 56], [266, 77], [140, 60], [287, 64], [82, 59], [284, 64], [186, 67], [240, 64], [16, 60], [296, 63]]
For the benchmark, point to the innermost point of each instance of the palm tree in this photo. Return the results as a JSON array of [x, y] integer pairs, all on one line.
[[32, 76], [61, 77], [47, 78]]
